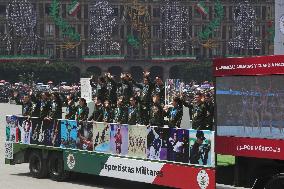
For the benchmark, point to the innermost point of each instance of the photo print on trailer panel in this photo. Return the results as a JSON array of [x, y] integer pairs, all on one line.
[[12, 130], [157, 143], [178, 143], [101, 137], [201, 147], [85, 136], [119, 139], [69, 132], [137, 141]]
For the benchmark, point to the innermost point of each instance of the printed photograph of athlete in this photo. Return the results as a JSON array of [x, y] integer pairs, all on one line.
[[137, 141], [101, 137], [201, 147], [157, 138], [85, 136], [119, 139], [178, 145], [69, 133]]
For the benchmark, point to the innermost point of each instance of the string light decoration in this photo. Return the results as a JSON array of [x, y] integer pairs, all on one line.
[[21, 19], [174, 22], [102, 22], [244, 18], [140, 21]]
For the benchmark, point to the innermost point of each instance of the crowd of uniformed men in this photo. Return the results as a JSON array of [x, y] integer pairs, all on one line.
[[126, 102]]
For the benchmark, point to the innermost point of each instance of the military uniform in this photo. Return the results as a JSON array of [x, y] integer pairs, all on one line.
[[97, 114], [160, 90], [35, 108], [133, 115], [175, 116], [107, 115], [27, 109], [82, 113], [210, 115], [156, 115], [71, 111], [120, 115], [199, 116], [45, 108], [145, 100], [56, 110], [125, 89]]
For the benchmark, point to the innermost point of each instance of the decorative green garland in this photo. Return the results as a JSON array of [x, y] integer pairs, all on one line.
[[63, 25], [215, 23], [133, 41]]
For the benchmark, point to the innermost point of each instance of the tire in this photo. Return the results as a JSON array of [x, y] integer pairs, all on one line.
[[276, 182], [56, 167], [37, 165]]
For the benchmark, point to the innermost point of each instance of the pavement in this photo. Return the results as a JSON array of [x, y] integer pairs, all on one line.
[[18, 177]]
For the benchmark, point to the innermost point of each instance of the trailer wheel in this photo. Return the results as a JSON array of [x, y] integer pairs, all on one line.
[[276, 182], [56, 168], [37, 165]]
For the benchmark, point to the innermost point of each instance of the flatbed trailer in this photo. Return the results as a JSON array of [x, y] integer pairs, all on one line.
[[59, 160]]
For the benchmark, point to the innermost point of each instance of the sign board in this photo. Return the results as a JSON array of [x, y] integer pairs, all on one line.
[[86, 89], [249, 98]]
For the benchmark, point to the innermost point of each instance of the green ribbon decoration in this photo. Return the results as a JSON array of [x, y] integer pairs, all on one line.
[[133, 41], [63, 25], [215, 23]]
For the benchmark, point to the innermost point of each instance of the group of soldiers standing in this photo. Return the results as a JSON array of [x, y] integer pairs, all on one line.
[[125, 102]]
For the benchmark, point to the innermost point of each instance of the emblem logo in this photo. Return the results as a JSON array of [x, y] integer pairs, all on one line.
[[71, 161], [203, 179]]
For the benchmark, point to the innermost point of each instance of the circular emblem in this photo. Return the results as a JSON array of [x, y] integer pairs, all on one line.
[[281, 24], [71, 161], [203, 179]]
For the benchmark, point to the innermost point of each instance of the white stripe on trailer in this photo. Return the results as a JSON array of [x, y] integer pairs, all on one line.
[[131, 169]]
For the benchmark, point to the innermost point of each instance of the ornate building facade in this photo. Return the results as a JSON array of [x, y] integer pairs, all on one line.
[[51, 38]]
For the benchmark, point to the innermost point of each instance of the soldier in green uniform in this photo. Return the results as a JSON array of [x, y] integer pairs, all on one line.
[[120, 112], [156, 112], [107, 112], [35, 100], [56, 107], [133, 113], [145, 97], [26, 106], [159, 89], [209, 105], [45, 106], [199, 113], [174, 113], [82, 110], [71, 108], [97, 114]]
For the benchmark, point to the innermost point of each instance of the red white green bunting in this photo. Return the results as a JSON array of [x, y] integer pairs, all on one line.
[[202, 9]]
